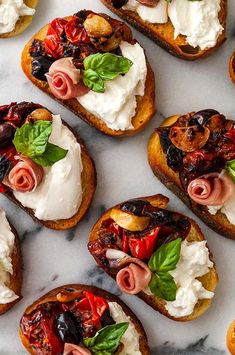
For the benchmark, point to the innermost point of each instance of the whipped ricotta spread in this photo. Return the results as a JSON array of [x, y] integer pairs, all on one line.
[[7, 241], [10, 12], [157, 14], [60, 193], [228, 208], [117, 105], [194, 262], [130, 338]]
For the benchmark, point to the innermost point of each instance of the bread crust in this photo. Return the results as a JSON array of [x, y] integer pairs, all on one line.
[[145, 104], [51, 296], [163, 34], [209, 280], [231, 68], [15, 280], [158, 163], [88, 177], [23, 22]]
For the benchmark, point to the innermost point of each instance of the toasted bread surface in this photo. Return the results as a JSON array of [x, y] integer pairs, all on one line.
[[23, 22], [163, 34], [209, 280], [232, 68], [51, 296], [158, 163], [88, 187], [15, 281], [145, 104]]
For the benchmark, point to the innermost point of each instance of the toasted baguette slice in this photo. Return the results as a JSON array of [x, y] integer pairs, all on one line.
[[88, 187], [209, 280], [23, 22], [15, 281], [158, 163], [51, 296], [232, 67], [145, 104], [163, 34]]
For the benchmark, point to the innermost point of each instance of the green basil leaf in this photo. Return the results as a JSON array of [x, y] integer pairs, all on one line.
[[31, 139], [230, 167], [163, 285], [52, 154], [166, 257], [106, 340], [93, 81], [108, 66]]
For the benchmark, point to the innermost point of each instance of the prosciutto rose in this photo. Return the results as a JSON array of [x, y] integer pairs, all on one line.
[[64, 80], [25, 176], [70, 349], [134, 277], [212, 189]]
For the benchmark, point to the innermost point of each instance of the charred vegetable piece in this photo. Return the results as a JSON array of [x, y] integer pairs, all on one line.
[[143, 248], [201, 117], [5, 165], [68, 328], [129, 221], [189, 139], [174, 158], [135, 206]]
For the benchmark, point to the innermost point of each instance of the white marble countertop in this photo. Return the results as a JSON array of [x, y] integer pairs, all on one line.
[[52, 258]]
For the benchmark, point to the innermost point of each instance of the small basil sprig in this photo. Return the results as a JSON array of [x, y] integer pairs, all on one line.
[[161, 262], [102, 67], [230, 167], [107, 340], [31, 140]]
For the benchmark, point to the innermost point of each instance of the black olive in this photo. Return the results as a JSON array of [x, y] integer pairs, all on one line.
[[119, 3], [160, 217], [174, 158], [82, 15], [7, 132], [68, 328], [106, 319], [37, 48], [201, 117], [5, 165], [135, 206], [40, 66]]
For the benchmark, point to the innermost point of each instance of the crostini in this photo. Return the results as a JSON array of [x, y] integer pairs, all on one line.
[[232, 67], [185, 28], [230, 338], [44, 166], [193, 155], [10, 265], [81, 319], [158, 255], [16, 16], [90, 63]]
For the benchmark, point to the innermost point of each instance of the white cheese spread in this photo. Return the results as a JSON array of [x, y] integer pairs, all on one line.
[[228, 208], [194, 262], [197, 20], [157, 14], [10, 12], [130, 338], [7, 241], [60, 193], [117, 105]]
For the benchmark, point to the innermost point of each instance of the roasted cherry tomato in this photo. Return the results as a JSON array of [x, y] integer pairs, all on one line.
[[189, 139], [143, 247], [53, 41], [75, 33]]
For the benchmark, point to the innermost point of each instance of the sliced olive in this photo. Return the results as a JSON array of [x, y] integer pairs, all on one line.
[[119, 3], [189, 139], [129, 221], [7, 132], [68, 328]]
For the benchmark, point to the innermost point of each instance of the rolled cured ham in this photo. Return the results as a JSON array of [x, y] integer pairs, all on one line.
[[25, 176], [134, 277], [212, 189], [150, 3], [64, 80], [70, 349]]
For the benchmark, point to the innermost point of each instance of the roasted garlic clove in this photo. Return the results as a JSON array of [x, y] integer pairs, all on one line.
[[129, 221]]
